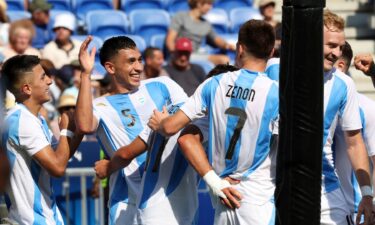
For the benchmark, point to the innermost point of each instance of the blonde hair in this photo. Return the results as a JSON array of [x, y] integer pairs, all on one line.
[[21, 24], [332, 21], [193, 3]]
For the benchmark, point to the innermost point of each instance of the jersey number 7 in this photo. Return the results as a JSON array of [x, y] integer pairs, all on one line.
[[237, 131]]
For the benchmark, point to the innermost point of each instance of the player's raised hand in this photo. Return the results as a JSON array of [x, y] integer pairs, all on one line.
[[156, 119], [87, 59], [102, 168], [365, 209], [365, 63]]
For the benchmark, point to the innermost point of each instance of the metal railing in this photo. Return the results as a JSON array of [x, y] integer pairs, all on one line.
[[83, 173]]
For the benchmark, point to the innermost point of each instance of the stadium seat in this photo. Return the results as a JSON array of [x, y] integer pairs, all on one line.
[[205, 64], [115, 22], [238, 16], [219, 20], [61, 5], [228, 5], [147, 22], [158, 41], [139, 41], [174, 6], [53, 14], [15, 5], [81, 7], [96, 42], [130, 5], [18, 15]]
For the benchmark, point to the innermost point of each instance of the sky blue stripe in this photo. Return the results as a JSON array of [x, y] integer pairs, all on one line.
[[159, 94], [245, 80], [335, 105], [179, 169], [273, 216], [363, 120], [108, 137], [273, 72], [208, 98], [270, 113], [356, 192], [119, 194], [39, 218], [151, 176]]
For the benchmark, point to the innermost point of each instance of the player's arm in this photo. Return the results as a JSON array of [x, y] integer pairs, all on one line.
[[122, 158], [365, 63], [168, 125], [170, 40], [359, 160], [4, 170], [86, 122], [190, 145], [56, 161]]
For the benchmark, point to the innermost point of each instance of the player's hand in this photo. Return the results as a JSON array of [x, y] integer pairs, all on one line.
[[365, 63], [87, 59], [102, 168], [365, 209], [156, 119], [233, 198]]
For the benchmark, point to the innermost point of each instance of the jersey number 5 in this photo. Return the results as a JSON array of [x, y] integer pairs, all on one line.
[[237, 131]]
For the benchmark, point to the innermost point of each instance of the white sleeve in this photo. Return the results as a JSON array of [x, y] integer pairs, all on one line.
[[145, 134], [349, 111], [198, 104], [32, 138]]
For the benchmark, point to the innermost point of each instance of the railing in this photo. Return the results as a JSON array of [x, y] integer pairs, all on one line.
[[99, 202]]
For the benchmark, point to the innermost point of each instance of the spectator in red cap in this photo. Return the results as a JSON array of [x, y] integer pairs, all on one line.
[[186, 74]]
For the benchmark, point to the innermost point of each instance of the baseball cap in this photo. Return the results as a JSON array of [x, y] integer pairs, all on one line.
[[65, 20], [67, 100], [39, 5], [184, 44], [263, 3]]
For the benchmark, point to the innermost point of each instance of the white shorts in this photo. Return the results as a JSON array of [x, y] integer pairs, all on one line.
[[254, 210], [122, 214], [334, 209]]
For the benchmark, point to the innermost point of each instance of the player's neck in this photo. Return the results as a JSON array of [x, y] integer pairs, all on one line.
[[32, 106], [254, 64]]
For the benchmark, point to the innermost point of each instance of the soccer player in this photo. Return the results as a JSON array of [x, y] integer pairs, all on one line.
[[169, 185], [33, 153], [341, 107], [242, 108], [119, 117], [349, 184]]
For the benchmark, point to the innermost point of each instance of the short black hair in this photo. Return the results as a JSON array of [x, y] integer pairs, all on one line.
[[347, 53], [149, 52], [113, 45], [15, 69], [258, 38], [221, 68]]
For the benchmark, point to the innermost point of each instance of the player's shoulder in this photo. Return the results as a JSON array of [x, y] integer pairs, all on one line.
[[272, 61], [156, 80], [347, 80]]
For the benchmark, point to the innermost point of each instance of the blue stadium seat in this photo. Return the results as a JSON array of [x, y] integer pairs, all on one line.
[[232, 39], [130, 5], [205, 64], [61, 5], [52, 16], [147, 22], [238, 16], [139, 41], [115, 22], [158, 41], [15, 5], [228, 5], [81, 7], [18, 15], [174, 6], [96, 42], [219, 20]]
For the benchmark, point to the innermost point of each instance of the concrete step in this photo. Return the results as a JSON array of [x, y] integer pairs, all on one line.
[[362, 46], [359, 33], [363, 83]]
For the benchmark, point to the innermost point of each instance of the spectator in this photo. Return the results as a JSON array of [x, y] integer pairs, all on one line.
[[154, 60], [186, 74], [191, 25], [4, 25], [267, 9], [39, 10], [21, 33], [63, 49]]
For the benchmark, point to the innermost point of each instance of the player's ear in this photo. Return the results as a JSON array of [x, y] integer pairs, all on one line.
[[109, 67], [25, 89]]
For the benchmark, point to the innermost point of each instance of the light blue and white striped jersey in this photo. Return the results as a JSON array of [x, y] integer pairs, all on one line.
[[349, 184], [243, 108], [340, 107], [121, 118], [273, 69], [169, 193], [29, 197]]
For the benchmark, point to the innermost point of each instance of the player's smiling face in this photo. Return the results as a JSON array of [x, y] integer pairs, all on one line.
[[128, 68], [39, 85], [333, 42]]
